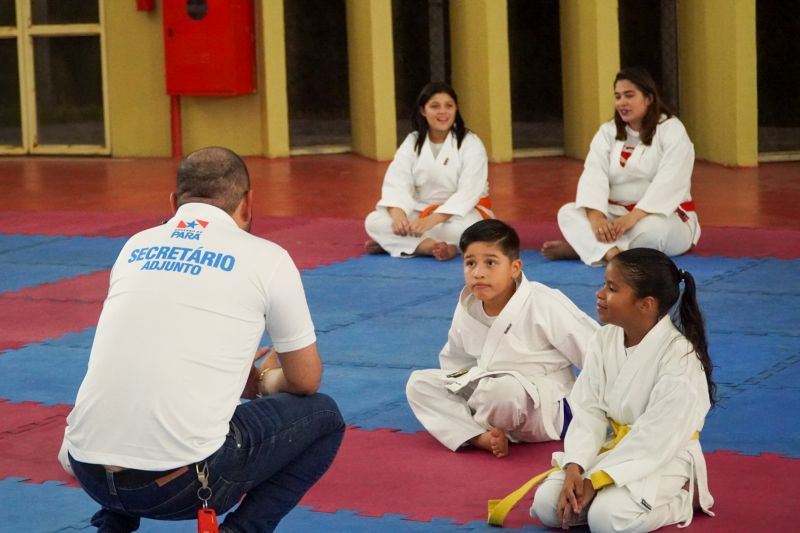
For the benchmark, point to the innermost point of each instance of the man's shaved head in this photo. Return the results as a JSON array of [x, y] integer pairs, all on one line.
[[212, 175]]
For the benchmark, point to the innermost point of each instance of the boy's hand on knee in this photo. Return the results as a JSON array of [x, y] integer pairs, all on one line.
[[571, 495]]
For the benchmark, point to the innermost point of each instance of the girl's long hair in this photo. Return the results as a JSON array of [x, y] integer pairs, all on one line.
[[652, 273], [419, 122]]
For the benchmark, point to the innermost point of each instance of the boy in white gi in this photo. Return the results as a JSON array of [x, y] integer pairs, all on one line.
[[650, 381], [510, 354]]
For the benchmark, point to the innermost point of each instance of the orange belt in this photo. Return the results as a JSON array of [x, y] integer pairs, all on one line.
[[484, 208], [681, 209]]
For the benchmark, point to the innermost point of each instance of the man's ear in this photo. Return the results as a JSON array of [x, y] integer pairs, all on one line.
[[244, 211], [173, 201], [247, 205]]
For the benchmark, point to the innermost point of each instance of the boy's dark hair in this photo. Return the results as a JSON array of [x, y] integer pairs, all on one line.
[[652, 273], [492, 231]]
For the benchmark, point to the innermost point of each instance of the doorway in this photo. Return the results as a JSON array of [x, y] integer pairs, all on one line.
[[317, 76], [534, 39], [421, 33], [778, 49], [648, 37]]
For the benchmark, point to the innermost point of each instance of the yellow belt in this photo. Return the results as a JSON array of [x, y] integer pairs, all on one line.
[[499, 509]]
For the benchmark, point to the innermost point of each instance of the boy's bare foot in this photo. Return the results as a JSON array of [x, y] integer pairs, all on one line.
[[494, 441], [443, 251], [556, 250], [373, 248]]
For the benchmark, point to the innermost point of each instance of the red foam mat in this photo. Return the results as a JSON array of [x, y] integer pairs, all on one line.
[[27, 321], [714, 241], [384, 472], [76, 223], [30, 437], [84, 288], [748, 242]]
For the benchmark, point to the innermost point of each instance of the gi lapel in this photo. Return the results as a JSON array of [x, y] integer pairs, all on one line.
[[635, 370], [505, 321]]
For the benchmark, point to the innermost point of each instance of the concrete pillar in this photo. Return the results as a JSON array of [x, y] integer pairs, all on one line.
[[718, 81], [370, 53], [589, 63], [480, 71]]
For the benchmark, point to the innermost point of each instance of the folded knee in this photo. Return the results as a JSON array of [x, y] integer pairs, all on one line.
[[545, 508]]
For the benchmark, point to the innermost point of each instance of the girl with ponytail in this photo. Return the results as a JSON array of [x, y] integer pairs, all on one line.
[[632, 459]]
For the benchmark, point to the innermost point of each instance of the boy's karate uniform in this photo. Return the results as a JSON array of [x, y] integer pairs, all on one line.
[[455, 180], [656, 179], [516, 370], [659, 390]]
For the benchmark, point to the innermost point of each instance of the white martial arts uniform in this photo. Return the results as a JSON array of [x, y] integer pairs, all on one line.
[[659, 390], [455, 179], [520, 367], [655, 179]]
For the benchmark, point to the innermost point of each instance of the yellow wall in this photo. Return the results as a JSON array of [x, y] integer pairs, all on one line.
[[272, 79], [371, 71], [589, 63], [480, 71], [138, 103], [718, 83], [139, 108], [230, 121]]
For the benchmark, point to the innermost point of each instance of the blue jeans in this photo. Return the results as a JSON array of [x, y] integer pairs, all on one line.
[[278, 447]]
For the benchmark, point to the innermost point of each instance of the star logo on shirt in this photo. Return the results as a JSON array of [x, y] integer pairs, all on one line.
[[192, 224]]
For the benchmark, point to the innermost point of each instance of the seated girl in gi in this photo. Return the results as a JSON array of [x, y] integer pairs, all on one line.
[[436, 186], [635, 190], [510, 354], [650, 381]]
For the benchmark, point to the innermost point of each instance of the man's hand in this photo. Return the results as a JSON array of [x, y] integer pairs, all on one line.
[[296, 372], [251, 385]]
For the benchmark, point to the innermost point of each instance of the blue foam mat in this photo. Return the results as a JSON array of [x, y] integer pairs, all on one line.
[[753, 313], [100, 252], [738, 357], [754, 421], [14, 241], [386, 341], [767, 276], [360, 390], [44, 508], [82, 340], [21, 276], [417, 268], [45, 374], [751, 319]]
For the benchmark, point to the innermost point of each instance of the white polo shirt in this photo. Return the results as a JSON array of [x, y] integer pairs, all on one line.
[[186, 308]]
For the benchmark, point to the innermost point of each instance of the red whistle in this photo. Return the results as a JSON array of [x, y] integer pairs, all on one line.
[[207, 521]]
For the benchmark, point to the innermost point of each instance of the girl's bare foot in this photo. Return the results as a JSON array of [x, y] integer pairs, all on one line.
[[443, 251], [611, 254], [494, 441], [556, 250], [373, 248]]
